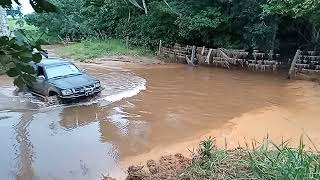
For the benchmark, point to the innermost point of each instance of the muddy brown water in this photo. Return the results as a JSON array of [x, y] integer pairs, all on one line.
[[144, 112]]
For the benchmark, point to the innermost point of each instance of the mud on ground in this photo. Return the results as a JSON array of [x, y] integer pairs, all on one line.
[[179, 167], [168, 167]]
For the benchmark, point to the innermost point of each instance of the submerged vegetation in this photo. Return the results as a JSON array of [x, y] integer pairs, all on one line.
[[268, 161]]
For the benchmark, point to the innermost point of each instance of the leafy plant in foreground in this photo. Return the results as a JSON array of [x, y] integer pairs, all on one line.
[[15, 53], [206, 163], [15, 58]]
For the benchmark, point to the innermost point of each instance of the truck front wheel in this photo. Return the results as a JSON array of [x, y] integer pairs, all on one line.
[[53, 100]]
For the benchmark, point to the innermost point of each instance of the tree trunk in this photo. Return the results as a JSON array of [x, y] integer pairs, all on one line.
[[3, 22], [145, 7], [315, 36], [274, 36]]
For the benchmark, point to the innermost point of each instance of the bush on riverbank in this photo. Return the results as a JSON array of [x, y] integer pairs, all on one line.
[[269, 161], [89, 49]]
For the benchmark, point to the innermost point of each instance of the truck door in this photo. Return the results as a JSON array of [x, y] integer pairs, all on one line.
[[39, 84]]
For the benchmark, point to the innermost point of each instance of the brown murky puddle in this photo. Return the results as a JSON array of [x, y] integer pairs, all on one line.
[[145, 112]]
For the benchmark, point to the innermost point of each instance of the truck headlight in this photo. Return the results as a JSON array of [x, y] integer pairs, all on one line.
[[97, 84], [66, 92]]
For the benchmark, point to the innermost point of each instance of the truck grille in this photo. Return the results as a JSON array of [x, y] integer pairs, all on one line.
[[84, 90]]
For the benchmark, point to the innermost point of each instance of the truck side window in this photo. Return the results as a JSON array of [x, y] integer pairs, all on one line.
[[40, 71]]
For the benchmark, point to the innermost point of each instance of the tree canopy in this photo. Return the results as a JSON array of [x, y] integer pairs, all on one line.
[[215, 23], [305, 12]]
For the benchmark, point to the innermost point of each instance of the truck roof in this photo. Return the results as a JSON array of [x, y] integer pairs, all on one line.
[[52, 62]]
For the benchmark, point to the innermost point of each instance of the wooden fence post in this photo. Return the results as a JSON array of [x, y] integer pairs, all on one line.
[[294, 63], [202, 51], [191, 60], [193, 54], [175, 53], [208, 56], [225, 57], [270, 55]]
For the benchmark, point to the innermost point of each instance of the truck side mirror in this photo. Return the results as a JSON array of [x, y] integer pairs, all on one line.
[[84, 70], [41, 78]]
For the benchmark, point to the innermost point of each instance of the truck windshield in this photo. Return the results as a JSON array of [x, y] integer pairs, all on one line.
[[62, 70]]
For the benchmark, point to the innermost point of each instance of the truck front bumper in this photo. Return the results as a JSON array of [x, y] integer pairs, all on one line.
[[83, 94]]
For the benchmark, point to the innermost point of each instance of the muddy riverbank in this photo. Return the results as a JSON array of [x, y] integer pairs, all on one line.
[[147, 111]]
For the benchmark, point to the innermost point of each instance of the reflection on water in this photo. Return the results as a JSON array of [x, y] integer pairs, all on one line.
[[73, 153], [65, 142], [88, 140], [25, 154]]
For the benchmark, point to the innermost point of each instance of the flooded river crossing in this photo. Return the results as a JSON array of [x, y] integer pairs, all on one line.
[[145, 112]]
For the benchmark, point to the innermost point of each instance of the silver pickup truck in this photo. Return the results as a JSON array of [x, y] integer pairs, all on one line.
[[60, 80]]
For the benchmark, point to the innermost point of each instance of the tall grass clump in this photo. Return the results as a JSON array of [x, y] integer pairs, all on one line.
[[89, 49], [281, 162], [268, 161], [209, 162]]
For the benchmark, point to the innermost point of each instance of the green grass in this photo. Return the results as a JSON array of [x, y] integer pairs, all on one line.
[[283, 162], [90, 49], [269, 161], [12, 25]]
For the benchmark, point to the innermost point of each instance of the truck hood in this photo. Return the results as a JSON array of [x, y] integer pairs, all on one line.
[[70, 82]]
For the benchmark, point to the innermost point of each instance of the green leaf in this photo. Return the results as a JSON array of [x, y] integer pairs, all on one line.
[[17, 1], [5, 3], [16, 47], [4, 59], [25, 60], [3, 40], [41, 6], [36, 57], [12, 41], [18, 82], [20, 37], [26, 68], [25, 54], [28, 79], [13, 72]]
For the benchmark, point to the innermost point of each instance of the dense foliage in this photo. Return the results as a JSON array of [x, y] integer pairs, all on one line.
[[307, 16], [15, 56], [262, 24]]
